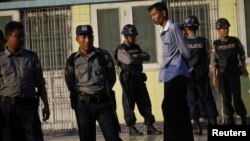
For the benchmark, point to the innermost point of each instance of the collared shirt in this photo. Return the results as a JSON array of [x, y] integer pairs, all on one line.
[[89, 73], [175, 53], [20, 74]]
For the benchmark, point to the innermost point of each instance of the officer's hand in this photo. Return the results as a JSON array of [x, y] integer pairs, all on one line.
[[135, 55], [46, 113], [244, 72]]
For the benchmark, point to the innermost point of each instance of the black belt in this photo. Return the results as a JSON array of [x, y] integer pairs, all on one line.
[[88, 98], [8, 99], [20, 100]]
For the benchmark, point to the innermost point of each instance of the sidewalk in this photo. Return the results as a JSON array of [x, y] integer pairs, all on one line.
[[125, 137]]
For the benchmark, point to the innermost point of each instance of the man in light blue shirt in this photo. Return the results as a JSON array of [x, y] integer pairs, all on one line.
[[174, 72]]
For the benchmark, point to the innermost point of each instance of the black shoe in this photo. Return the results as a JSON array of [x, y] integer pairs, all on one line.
[[133, 131], [152, 130], [229, 120], [243, 120], [212, 121], [197, 130]]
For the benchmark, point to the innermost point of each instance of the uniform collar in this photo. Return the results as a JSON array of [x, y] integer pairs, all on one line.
[[166, 27], [9, 54], [93, 52]]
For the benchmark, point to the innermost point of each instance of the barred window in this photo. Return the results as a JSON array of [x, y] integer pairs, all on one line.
[[48, 33]]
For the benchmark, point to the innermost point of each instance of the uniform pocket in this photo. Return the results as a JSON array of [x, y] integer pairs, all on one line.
[[81, 73]]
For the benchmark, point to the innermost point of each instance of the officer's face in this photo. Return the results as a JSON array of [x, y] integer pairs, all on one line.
[[158, 17], [16, 39], [130, 39], [85, 41], [223, 32]]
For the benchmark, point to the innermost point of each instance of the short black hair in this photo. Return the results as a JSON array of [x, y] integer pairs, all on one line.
[[160, 6], [12, 26]]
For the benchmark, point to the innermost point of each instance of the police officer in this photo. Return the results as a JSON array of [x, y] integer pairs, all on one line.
[[21, 85], [228, 63], [129, 58], [90, 75], [200, 98]]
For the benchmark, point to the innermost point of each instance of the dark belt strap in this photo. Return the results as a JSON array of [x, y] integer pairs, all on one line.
[[20, 100], [93, 98], [8, 99]]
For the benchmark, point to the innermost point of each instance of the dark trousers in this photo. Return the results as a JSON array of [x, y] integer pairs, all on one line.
[[177, 122], [136, 93], [200, 98], [22, 121], [88, 113], [229, 85]]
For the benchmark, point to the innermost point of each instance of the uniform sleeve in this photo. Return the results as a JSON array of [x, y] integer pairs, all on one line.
[[38, 73], [111, 75], [69, 74], [214, 59], [241, 51], [181, 43], [144, 56], [123, 56], [208, 51]]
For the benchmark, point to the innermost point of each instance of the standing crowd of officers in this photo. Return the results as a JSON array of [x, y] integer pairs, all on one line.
[[90, 74]]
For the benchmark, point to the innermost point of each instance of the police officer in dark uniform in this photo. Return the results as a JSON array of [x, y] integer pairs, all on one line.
[[200, 98], [130, 57], [90, 76], [21, 85], [228, 63]]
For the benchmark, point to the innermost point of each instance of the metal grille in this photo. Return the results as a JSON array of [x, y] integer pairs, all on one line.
[[49, 34], [205, 10]]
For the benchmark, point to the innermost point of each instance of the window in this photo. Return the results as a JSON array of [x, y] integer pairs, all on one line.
[[203, 10], [247, 18], [48, 33], [7, 16], [108, 21]]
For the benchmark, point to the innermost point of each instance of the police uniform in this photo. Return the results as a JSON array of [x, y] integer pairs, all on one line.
[[133, 80], [200, 98], [226, 56], [21, 74], [89, 87]]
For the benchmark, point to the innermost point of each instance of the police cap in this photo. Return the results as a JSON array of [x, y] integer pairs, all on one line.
[[129, 29], [191, 21], [222, 23], [84, 30]]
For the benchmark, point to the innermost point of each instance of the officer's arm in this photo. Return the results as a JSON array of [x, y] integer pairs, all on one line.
[[208, 51], [242, 58], [123, 56], [144, 56], [41, 90], [214, 62], [110, 70], [241, 51]]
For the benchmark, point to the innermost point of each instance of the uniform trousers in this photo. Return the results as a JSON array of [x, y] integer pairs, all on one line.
[[229, 85], [21, 120], [88, 113]]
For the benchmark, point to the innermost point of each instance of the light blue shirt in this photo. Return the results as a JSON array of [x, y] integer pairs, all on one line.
[[175, 53]]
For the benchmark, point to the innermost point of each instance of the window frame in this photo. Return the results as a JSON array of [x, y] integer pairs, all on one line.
[[241, 19], [125, 11]]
